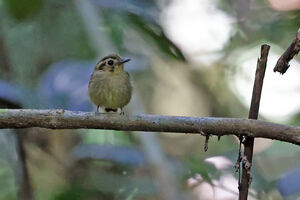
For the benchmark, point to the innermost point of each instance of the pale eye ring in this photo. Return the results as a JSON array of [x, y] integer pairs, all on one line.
[[110, 62]]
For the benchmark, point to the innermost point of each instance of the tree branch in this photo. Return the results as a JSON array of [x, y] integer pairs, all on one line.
[[283, 62], [63, 119], [253, 114]]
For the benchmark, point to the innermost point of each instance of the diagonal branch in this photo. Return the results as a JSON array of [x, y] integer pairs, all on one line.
[[283, 62], [63, 119]]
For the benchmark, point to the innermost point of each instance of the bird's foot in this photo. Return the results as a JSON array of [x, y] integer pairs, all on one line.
[[101, 111]]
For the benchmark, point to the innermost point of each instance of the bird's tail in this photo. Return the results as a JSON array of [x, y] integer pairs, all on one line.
[[111, 109]]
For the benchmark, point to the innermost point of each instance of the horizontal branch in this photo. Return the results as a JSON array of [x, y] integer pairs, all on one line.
[[63, 119]]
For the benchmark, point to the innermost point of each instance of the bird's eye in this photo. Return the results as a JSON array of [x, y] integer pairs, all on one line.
[[110, 62]]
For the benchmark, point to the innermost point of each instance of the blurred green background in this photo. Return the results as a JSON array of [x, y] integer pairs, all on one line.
[[190, 58]]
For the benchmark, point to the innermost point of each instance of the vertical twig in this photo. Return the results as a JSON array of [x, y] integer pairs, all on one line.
[[253, 114]]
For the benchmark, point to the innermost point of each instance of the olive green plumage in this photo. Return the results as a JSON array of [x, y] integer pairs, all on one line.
[[110, 85]]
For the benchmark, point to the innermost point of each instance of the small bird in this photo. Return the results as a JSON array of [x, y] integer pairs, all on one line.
[[110, 86]]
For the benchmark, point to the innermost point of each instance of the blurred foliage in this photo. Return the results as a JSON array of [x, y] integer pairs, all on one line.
[[7, 185], [39, 44], [21, 9], [199, 166], [156, 36], [46, 60]]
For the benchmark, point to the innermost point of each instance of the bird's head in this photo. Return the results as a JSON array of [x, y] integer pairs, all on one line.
[[112, 63]]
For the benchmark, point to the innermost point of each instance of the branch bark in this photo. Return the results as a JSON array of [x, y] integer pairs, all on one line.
[[63, 119], [283, 62], [253, 114]]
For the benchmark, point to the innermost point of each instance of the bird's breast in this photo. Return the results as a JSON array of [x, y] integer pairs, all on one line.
[[110, 90]]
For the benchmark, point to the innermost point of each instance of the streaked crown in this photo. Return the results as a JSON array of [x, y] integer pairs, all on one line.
[[111, 63]]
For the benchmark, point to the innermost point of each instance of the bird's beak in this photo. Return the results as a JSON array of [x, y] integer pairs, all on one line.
[[124, 60]]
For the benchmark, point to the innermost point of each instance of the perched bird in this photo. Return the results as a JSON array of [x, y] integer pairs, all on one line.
[[110, 86]]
